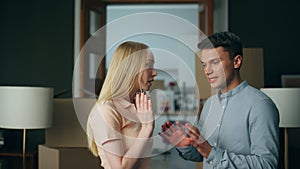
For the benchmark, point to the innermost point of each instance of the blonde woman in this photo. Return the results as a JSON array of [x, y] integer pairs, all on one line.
[[121, 123]]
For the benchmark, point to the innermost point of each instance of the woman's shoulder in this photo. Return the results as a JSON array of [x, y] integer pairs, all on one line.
[[105, 103], [104, 107]]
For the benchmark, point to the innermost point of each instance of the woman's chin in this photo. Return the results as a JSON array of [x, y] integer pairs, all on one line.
[[147, 88]]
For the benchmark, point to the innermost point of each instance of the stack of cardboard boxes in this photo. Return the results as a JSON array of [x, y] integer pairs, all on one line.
[[66, 141]]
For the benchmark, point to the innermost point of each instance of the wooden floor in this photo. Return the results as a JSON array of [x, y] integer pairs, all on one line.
[[172, 160]]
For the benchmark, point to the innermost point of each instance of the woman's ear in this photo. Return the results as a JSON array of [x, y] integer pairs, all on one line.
[[237, 62]]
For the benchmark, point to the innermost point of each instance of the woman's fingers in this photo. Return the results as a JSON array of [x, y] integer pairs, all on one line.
[[144, 107], [149, 105], [137, 101], [142, 102]]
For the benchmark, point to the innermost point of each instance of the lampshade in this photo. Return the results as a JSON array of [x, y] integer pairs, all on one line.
[[287, 101], [25, 107]]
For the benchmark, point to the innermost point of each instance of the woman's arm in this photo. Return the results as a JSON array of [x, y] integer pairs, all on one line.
[[142, 145]]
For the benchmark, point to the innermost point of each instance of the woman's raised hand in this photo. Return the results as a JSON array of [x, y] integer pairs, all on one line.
[[144, 108]]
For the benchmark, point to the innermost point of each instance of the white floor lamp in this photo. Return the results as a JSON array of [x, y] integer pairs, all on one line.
[[25, 108], [287, 102]]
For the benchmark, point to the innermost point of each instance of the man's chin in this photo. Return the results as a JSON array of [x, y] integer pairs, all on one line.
[[217, 86], [214, 86]]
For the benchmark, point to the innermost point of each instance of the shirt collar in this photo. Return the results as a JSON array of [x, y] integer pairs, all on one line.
[[123, 101], [126, 108], [234, 91]]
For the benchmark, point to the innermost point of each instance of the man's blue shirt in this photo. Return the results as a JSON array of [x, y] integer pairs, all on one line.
[[242, 126]]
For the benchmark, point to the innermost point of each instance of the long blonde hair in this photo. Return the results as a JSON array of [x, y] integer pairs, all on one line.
[[127, 62]]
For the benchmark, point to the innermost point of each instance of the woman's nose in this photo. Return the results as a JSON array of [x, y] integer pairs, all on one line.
[[154, 72]]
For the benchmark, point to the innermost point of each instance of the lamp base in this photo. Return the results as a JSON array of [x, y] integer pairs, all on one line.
[[286, 149], [24, 150]]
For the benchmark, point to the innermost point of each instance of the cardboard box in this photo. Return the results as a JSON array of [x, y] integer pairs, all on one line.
[[66, 141], [69, 122], [67, 158]]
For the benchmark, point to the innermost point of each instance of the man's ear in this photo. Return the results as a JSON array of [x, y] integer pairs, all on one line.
[[237, 62]]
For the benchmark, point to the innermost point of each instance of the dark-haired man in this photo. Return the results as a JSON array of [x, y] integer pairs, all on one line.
[[239, 126]]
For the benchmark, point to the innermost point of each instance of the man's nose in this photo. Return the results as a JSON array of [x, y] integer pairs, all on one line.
[[208, 70]]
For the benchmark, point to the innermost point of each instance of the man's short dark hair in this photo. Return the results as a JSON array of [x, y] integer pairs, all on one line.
[[229, 41]]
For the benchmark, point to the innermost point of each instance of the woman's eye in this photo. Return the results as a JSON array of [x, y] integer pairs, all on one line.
[[149, 65]]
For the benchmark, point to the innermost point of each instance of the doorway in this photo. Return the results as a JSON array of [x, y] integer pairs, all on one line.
[[95, 14]]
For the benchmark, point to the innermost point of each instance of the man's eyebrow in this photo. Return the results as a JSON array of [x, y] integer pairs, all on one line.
[[211, 60]]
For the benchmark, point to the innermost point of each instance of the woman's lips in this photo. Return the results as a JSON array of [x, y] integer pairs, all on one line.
[[150, 82]]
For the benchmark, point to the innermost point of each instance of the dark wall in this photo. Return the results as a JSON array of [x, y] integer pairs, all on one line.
[[271, 24], [36, 49], [36, 43], [36, 39]]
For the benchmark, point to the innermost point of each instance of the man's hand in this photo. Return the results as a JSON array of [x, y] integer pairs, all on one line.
[[198, 141], [174, 134]]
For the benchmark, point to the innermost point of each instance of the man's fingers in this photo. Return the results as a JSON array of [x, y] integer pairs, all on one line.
[[162, 134], [192, 135], [192, 129], [173, 128], [168, 124], [169, 132], [179, 125], [164, 127]]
